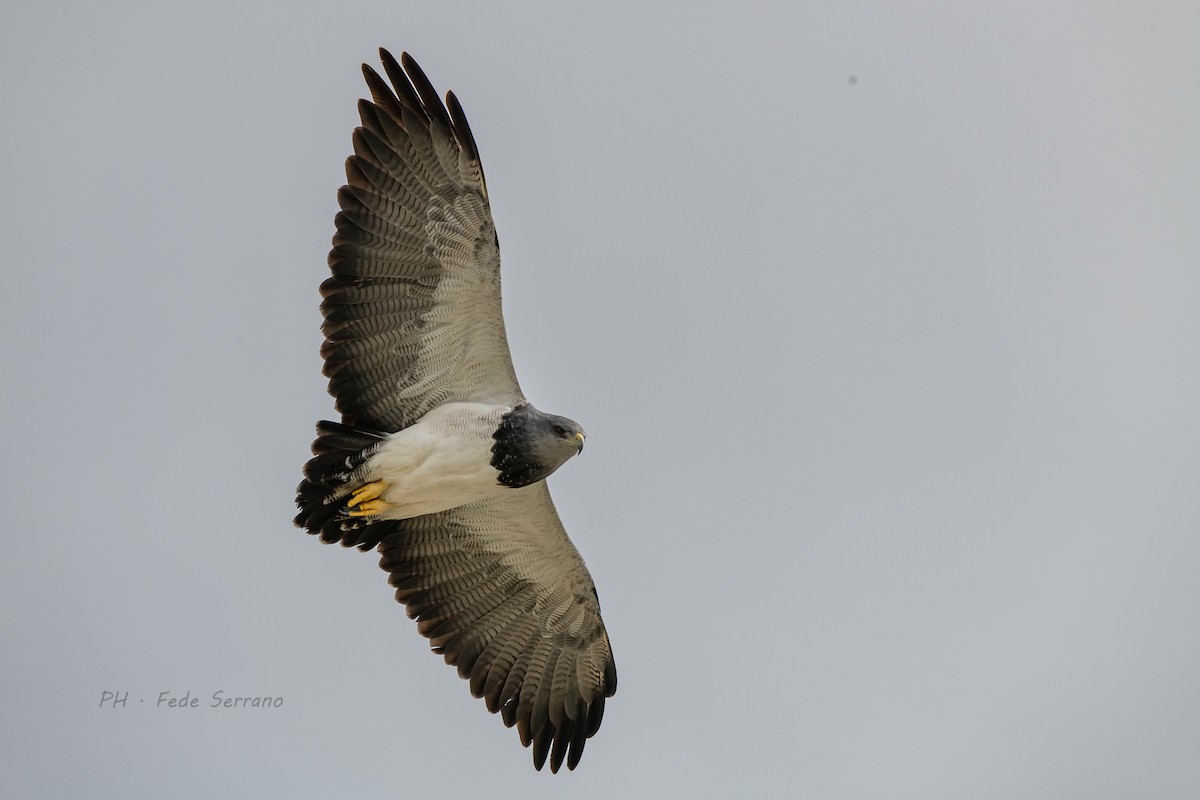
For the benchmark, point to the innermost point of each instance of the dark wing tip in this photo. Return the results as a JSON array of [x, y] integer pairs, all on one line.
[[541, 748], [430, 99], [462, 130], [564, 742], [381, 95], [400, 83], [414, 90]]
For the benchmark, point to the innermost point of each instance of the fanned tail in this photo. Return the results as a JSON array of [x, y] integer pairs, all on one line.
[[340, 454]]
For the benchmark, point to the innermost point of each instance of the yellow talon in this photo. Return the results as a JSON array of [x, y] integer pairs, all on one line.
[[370, 508], [366, 498]]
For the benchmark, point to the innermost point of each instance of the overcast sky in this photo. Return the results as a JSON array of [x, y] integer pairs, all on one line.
[[881, 318]]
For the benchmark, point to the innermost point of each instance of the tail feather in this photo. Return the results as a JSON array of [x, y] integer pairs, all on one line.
[[340, 454]]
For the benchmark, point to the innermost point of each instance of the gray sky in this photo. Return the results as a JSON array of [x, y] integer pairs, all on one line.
[[890, 386]]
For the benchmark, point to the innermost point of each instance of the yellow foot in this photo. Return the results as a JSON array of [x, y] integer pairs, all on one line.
[[370, 508], [365, 501]]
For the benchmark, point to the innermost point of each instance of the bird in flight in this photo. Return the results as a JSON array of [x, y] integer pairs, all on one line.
[[439, 461]]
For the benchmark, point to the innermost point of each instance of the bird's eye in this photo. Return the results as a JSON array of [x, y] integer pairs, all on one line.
[[559, 430]]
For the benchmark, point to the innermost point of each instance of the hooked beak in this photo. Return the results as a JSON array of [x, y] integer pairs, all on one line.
[[579, 437]]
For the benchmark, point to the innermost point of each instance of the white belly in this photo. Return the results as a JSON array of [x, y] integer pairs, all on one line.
[[442, 461]]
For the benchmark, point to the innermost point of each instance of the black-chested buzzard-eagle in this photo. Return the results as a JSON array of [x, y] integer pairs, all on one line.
[[439, 461]]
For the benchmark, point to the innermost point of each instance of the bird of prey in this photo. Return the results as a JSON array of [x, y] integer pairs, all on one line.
[[439, 461]]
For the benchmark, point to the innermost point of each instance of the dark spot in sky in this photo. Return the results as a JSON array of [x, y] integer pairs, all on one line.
[[853, 79]]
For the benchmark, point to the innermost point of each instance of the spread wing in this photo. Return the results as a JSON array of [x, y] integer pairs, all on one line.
[[504, 595], [412, 310]]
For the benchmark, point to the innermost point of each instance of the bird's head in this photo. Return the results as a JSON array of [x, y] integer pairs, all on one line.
[[568, 435], [531, 445]]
